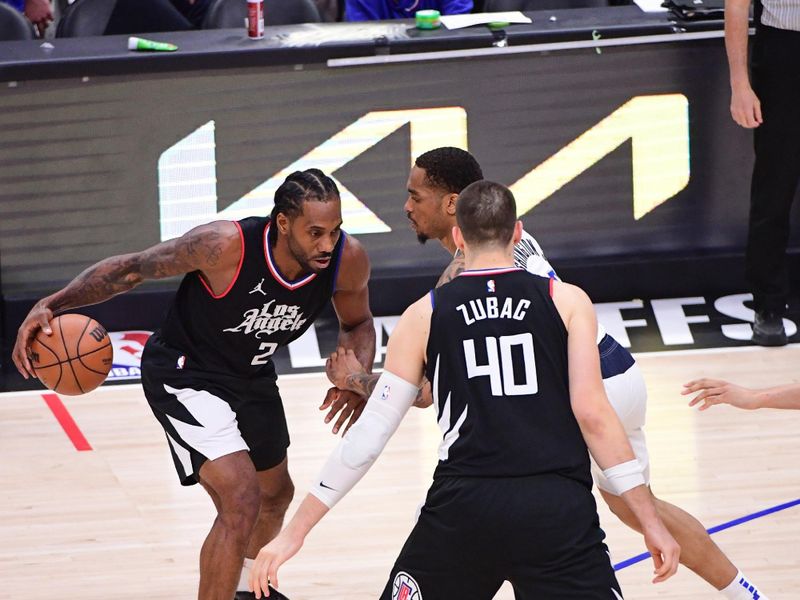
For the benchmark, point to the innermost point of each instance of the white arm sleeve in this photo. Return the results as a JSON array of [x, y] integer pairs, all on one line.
[[361, 445]]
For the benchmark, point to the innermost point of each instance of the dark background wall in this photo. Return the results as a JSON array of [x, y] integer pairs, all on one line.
[[79, 166]]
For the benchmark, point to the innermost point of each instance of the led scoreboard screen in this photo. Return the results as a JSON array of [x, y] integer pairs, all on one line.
[[627, 152]]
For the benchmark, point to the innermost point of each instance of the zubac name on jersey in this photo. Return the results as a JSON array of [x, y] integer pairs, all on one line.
[[488, 308]]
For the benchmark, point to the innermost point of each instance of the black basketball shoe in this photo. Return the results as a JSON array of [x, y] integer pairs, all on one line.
[[273, 595], [768, 330]]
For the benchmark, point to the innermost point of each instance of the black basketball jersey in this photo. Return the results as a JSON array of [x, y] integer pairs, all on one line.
[[497, 362], [237, 331]]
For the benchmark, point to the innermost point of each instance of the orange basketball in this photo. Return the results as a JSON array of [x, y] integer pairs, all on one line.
[[76, 358]]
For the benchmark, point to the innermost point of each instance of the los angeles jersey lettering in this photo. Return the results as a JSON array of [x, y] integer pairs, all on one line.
[[497, 361], [237, 331]]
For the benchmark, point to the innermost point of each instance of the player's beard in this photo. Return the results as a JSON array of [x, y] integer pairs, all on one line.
[[421, 236], [301, 257]]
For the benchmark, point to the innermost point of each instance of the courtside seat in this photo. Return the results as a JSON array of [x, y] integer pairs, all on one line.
[[85, 18], [14, 25]]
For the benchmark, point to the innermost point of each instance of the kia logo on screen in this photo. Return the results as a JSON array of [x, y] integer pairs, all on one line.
[[657, 125]]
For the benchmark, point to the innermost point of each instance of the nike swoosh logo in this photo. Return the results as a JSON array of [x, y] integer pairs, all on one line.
[[327, 487]]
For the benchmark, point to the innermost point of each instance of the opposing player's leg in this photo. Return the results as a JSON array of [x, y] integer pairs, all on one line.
[[698, 551], [627, 392]]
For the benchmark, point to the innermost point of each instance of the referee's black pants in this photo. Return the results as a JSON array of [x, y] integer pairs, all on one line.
[[775, 68]]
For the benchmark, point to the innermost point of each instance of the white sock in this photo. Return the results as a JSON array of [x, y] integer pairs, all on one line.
[[244, 579], [742, 588]]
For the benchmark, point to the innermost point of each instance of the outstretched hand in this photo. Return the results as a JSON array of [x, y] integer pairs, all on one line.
[[269, 560], [716, 391]]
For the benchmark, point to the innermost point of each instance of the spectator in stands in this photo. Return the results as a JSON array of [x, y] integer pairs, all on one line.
[[39, 12], [376, 10]]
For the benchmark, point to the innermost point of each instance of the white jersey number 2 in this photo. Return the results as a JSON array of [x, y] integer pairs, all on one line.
[[263, 358], [500, 366]]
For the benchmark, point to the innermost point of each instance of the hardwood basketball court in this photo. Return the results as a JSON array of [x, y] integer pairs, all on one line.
[[113, 521]]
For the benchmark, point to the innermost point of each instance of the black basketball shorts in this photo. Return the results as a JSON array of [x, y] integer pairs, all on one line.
[[540, 533], [209, 415]]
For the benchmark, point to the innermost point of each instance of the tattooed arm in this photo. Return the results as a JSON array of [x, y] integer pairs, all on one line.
[[213, 249], [356, 331]]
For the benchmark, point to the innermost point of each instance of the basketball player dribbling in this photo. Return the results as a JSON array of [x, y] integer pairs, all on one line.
[[434, 183], [249, 287], [516, 383]]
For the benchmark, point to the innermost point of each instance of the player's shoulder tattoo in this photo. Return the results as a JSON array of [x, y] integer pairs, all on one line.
[[452, 271]]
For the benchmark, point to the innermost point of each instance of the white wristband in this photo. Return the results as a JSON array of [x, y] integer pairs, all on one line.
[[624, 476]]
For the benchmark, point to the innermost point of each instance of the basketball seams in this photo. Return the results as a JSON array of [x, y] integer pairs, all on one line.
[[80, 337], [75, 376], [66, 360], [50, 366], [59, 363], [60, 375], [92, 351], [53, 352], [63, 339], [87, 367]]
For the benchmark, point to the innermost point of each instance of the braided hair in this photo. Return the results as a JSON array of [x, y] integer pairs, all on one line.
[[300, 186]]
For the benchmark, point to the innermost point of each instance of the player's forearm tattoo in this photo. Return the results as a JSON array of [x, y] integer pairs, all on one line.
[[119, 274], [99, 282], [362, 383], [452, 270]]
